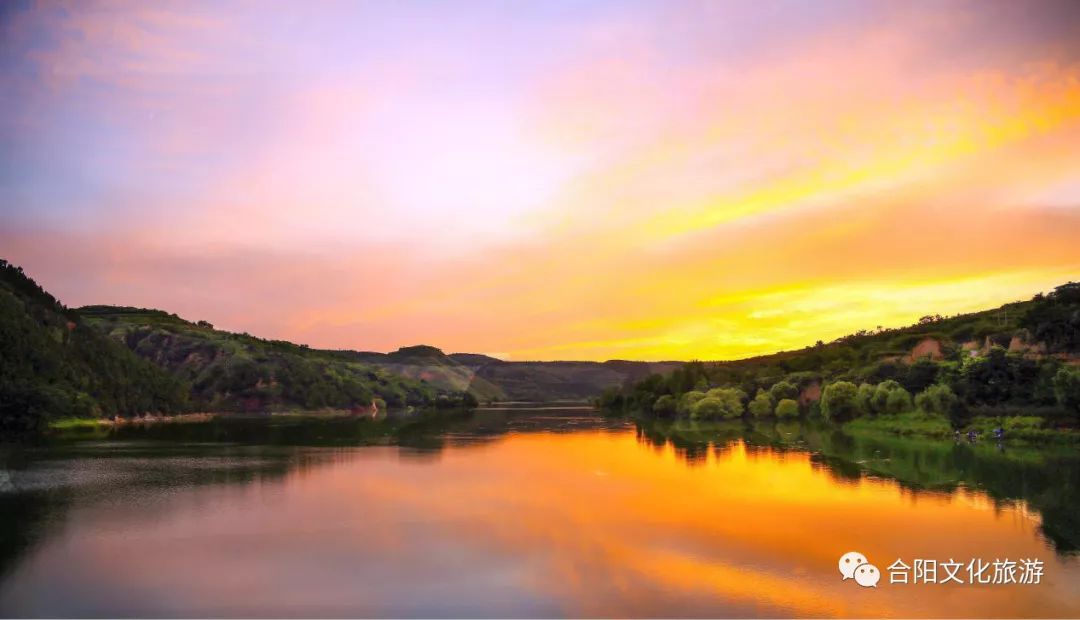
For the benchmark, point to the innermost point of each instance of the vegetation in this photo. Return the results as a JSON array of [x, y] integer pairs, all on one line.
[[762, 405], [239, 372], [1018, 362], [101, 361], [839, 401], [52, 364], [1046, 478], [787, 408]]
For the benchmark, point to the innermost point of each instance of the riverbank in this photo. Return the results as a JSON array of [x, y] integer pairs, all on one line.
[[1029, 429], [67, 424]]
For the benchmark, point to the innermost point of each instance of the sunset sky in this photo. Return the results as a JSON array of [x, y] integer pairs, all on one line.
[[543, 180]]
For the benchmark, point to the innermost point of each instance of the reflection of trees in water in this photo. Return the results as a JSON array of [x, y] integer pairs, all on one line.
[[1047, 479], [45, 480], [24, 520], [45, 486]]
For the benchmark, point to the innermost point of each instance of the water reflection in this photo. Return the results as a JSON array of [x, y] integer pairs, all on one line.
[[511, 513], [1045, 478]]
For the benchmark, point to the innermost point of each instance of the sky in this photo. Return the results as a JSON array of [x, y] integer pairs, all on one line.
[[543, 180]]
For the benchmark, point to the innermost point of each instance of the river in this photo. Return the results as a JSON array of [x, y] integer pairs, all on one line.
[[529, 512]]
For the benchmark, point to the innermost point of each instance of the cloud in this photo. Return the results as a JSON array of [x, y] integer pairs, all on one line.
[[556, 182]]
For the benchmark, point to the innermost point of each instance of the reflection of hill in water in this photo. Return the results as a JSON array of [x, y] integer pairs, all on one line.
[[112, 463], [44, 485], [1048, 480], [40, 485]]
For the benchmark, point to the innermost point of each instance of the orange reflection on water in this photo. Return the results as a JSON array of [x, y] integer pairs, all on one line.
[[760, 531], [584, 524]]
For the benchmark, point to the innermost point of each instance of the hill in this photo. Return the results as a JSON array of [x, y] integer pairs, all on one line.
[[54, 364], [240, 372], [230, 371], [559, 381], [1023, 357], [490, 379]]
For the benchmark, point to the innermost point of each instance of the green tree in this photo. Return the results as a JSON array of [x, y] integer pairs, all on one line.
[[665, 405], [898, 401], [920, 375], [989, 380], [865, 397], [881, 395], [707, 408], [688, 400], [939, 399], [839, 401], [787, 408], [783, 389], [731, 401], [1067, 389], [762, 405]]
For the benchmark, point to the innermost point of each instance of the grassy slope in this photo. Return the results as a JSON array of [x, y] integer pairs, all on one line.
[[1042, 335], [854, 356], [231, 371], [53, 364]]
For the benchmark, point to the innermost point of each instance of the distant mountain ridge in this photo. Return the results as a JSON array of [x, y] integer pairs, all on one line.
[[251, 377], [491, 379]]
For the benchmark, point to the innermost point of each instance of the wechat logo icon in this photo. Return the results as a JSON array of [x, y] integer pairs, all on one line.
[[853, 565]]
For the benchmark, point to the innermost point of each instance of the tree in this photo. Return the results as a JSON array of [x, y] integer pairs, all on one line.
[[688, 400], [782, 390], [898, 401], [881, 395], [665, 405], [731, 401], [938, 399], [707, 408], [865, 396], [1067, 389], [762, 405], [839, 401], [989, 380], [920, 375], [787, 408]]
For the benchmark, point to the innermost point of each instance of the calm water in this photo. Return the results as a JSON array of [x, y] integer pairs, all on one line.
[[522, 513]]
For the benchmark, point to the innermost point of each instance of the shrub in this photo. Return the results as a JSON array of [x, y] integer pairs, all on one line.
[[1067, 389], [864, 397], [937, 399], [1022, 423], [688, 400], [762, 405], [665, 405], [839, 401], [783, 389], [881, 395], [731, 401], [920, 375], [787, 408], [898, 401], [707, 408]]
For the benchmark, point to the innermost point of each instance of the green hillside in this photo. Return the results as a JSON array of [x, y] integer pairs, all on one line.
[[54, 364], [431, 365], [240, 372], [1020, 361], [492, 380]]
